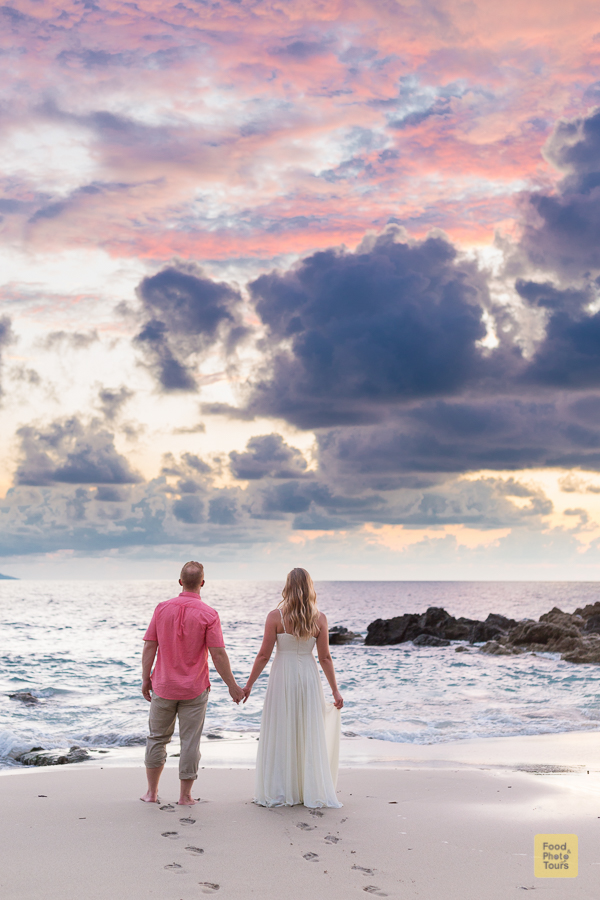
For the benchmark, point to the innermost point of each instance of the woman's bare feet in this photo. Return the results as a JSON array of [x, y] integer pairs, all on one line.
[[150, 797]]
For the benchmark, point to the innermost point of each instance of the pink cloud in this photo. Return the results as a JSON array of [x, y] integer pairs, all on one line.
[[259, 128]]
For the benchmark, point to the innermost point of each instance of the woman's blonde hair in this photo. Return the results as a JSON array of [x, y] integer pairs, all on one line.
[[299, 604]]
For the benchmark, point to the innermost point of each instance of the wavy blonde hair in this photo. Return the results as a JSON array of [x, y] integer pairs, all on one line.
[[299, 604]]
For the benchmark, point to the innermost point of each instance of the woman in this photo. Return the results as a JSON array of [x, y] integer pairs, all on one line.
[[299, 742]]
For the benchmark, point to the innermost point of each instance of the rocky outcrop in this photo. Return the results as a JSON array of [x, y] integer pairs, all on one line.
[[430, 640], [340, 635], [438, 623], [25, 697], [576, 636], [37, 756]]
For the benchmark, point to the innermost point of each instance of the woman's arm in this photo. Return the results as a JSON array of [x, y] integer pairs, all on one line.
[[326, 660], [264, 654]]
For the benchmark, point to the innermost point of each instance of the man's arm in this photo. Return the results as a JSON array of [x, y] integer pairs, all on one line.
[[223, 667], [148, 654]]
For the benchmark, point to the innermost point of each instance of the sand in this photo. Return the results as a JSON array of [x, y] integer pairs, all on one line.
[[446, 821]]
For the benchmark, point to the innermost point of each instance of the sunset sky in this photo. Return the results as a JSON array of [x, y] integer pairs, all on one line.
[[300, 283]]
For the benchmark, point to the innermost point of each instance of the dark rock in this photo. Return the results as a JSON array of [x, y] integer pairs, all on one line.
[[592, 609], [391, 631], [588, 653], [565, 620], [429, 640], [25, 697], [461, 649], [501, 622], [37, 757], [592, 625], [547, 636], [482, 631], [340, 635]]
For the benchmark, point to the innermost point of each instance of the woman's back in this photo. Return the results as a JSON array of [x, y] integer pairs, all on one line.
[[299, 740]]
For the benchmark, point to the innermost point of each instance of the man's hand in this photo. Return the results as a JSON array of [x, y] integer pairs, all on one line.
[[147, 689], [236, 693]]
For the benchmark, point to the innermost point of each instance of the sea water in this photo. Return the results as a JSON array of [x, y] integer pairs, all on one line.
[[76, 646]]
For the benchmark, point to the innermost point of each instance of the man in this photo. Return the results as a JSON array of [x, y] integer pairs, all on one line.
[[181, 630]]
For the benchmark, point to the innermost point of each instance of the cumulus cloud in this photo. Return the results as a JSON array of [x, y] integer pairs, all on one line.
[[185, 314], [363, 331], [561, 227], [505, 433], [71, 452], [265, 455]]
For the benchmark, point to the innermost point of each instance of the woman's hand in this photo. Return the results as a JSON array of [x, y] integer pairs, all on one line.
[[338, 700], [247, 691]]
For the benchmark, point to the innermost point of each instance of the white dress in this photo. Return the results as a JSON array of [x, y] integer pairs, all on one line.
[[299, 744]]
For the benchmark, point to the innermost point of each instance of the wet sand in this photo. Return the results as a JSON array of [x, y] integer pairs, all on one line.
[[440, 822]]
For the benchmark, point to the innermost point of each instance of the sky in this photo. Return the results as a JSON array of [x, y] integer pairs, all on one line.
[[296, 283]]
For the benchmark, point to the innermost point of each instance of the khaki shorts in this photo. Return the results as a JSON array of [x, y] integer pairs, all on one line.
[[162, 725]]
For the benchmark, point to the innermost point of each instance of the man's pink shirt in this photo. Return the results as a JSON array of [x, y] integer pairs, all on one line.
[[183, 627]]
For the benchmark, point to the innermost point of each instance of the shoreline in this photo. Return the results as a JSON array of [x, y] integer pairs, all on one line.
[[571, 749], [447, 825]]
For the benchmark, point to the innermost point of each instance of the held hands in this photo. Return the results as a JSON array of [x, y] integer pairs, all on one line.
[[236, 693], [338, 701], [247, 691], [146, 689]]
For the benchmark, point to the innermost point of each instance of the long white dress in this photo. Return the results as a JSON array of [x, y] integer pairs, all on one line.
[[298, 750]]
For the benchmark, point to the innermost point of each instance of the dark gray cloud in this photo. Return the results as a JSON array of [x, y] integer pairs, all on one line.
[[185, 314], [460, 436], [267, 455], [561, 227], [369, 330], [71, 452]]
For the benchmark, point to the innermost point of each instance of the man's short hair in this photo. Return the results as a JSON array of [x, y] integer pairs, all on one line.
[[192, 575]]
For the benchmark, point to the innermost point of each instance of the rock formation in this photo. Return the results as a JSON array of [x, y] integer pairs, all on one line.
[[576, 636], [37, 756]]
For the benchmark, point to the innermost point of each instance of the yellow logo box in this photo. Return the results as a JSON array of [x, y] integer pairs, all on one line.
[[555, 856]]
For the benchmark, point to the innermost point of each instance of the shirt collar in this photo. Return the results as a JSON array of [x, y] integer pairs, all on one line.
[[192, 595]]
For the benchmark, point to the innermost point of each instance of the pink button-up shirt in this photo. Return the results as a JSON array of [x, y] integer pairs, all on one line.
[[183, 627]]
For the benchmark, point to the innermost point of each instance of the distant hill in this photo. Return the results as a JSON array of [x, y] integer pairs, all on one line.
[[7, 578]]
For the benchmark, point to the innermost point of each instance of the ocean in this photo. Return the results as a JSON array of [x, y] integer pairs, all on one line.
[[76, 646]]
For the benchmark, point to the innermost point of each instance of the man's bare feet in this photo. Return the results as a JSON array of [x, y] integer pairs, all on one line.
[[186, 801], [150, 797]]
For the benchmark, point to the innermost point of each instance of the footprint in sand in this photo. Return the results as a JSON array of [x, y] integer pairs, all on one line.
[[196, 850], [170, 834], [316, 812], [174, 867], [187, 821], [373, 889], [364, 871], [332, 839], [305, 826], [168, 807], [311, 857], [208, 887]]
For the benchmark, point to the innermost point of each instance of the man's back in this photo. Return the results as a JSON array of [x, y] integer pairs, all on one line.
[[183, 627]]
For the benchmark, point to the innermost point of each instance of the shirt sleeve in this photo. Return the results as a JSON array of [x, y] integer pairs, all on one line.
[[214, 635], [151, 634]]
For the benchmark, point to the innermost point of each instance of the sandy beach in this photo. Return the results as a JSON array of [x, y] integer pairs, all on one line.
[[443, 821]]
